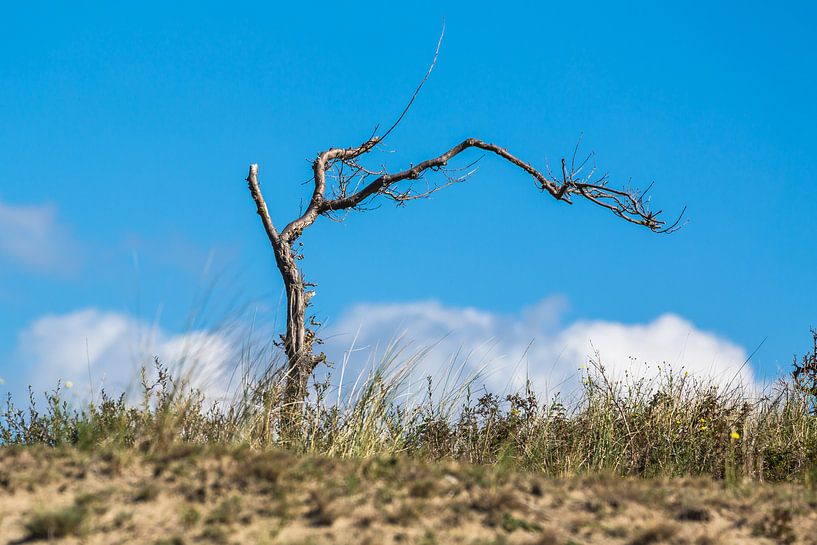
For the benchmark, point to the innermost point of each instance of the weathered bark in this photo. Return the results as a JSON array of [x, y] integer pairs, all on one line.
[[297, 340]]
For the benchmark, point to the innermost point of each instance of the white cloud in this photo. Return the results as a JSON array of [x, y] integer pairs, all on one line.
[[109, 348], [505, 347], [32, 236], [533, 343]]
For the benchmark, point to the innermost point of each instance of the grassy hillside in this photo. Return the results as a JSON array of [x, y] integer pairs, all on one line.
[[671, 460], [222, 496]]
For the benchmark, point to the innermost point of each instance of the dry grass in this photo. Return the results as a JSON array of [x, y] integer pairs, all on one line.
[[668, 427]]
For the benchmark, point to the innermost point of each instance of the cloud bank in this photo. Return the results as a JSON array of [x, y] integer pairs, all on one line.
[[507, 349], [92, 349], [31, 236]]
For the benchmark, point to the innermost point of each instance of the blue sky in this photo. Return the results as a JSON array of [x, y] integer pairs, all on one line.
[[126, 134]]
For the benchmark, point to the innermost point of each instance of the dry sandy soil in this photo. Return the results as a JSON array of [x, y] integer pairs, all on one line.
[[190, 496]]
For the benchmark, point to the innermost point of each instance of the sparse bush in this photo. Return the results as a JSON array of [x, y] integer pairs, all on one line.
[[175, 540], [57, 524], [145, 493], [804, 375], [190, 516], [226, 512], [776, 525]]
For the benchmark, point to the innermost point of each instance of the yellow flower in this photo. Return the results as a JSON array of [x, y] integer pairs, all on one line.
[[704, 428], [69, 384], [734, 435]]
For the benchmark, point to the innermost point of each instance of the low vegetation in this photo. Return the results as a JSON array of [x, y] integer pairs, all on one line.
[[633, 461], [671, 426], [56, 523]]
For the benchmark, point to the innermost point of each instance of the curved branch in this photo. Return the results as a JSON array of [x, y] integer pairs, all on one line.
[[413, 173], [628, 205]]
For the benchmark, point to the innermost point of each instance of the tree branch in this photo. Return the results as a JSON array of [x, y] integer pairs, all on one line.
[[627, 205], [255, 190]]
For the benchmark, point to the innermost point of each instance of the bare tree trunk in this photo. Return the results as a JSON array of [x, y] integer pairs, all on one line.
[[298, 339], [297, 344]]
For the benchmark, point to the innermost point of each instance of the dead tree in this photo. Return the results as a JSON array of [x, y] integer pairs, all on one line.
[[353, 186], [342, 184]]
